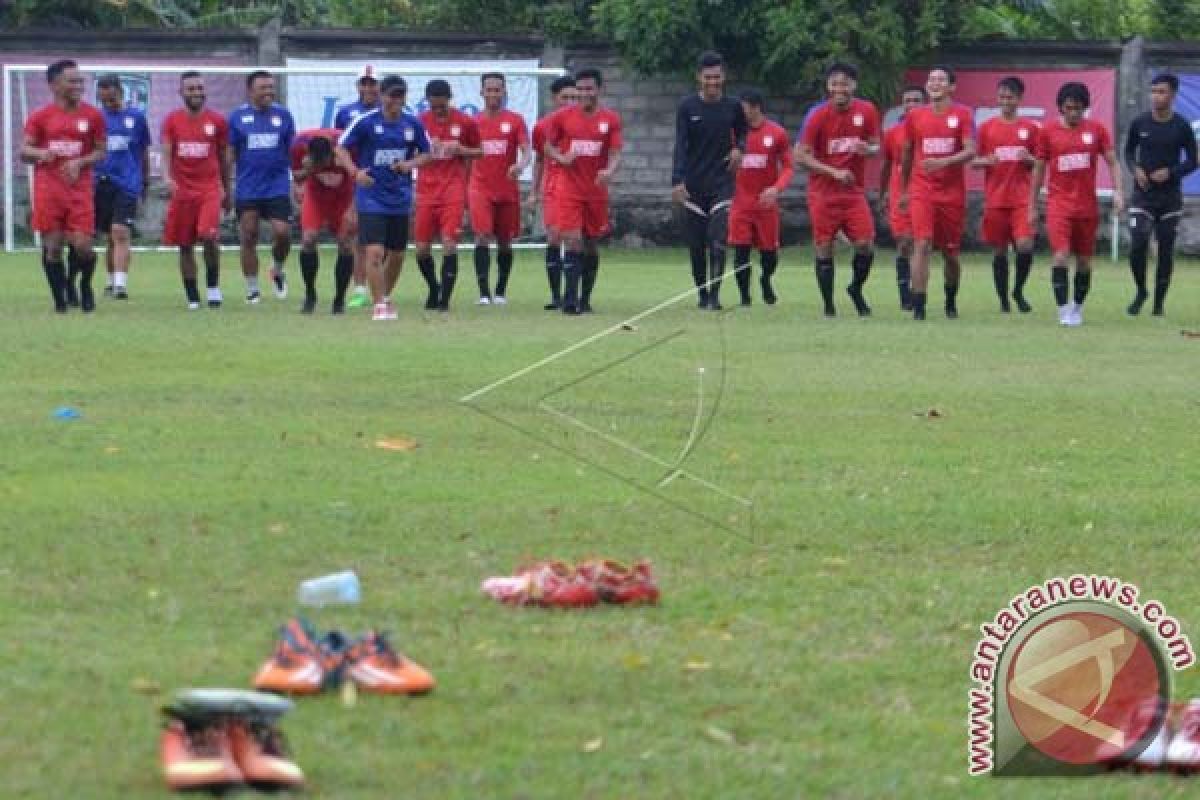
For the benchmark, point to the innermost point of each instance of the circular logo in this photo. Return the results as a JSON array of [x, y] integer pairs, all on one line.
[[1086, 688]]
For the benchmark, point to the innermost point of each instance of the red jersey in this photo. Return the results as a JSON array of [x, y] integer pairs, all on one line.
[[893, 150], [550, 168], [766, 162], [330, 181], [1071, 156], [591, 137], [935, 135], [833, 135], [1006, 184], [444, 179], [196, 143], [67, 135], [501, 137]]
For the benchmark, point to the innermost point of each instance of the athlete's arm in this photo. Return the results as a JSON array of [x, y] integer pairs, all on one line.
[[167, 147], [1188, 165], [605, 176], [1035, 188], [885, 178], [1130, 153], [808, 160], [906, 163], [225, 161], [679, 191], [31, 154], [1114, 168]]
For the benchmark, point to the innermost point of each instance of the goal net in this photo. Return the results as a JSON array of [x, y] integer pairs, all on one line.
[[312, 89]]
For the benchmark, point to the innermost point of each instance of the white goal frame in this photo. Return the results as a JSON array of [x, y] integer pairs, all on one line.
[[9, 113]]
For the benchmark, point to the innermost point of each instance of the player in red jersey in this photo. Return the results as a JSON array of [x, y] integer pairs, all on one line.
[[493, 195], [891, 189], [64, 140], [585, 139], [940, 143], [764, 172], [833, 146], [545, 181], [442, 189], [196, 166], [1069, 151], [326, 201], [1006, 147]]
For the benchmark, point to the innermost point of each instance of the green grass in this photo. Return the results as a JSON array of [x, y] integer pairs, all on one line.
[[223, 457]]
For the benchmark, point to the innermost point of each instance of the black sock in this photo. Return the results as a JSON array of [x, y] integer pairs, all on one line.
[[429, 273], [1083, 282], [918, 303], [190, 290], [1024, 267], [212, 276], [699, 258], [741, 271], [310, 262], [572, 273], [770, 262], [1059, 281], [903, 276], [483, 265], [73, 267], [449, 276], [86, 267], [56, 279], [862, 269], [1162, 275], [824, 270], [554, 269], [343, 270], [951, 297], [1138, 254], [504, 262], [590, 269], [1000, 277], [716, 252]]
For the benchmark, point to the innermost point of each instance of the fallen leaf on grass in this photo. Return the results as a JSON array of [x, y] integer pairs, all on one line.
[[398, 443], [145, 686], [593, 746], [349, 694], [719, 735], [276, 527], [834, 561], [697, 666], [931, 413], [111, 450], [633, 661], [625, 326], [1190, 334]]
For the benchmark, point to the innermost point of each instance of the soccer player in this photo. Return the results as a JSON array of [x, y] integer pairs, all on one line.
[[545, 185], [585, 140], [381, 149], [1069, 151], [326, 202], [891, 190], [834, 145], [1006, 145], [939, 142], [196, 166], [368, 100], [1160, 151], [710, 134], [260, 136], [121, 178], [764, 172], [64, 140], [493, 195], [442, 190]]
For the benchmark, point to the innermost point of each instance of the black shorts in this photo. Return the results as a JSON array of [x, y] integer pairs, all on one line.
[[279, 208], [389, 230], [1155, 207], [114, 206], [706, 218]]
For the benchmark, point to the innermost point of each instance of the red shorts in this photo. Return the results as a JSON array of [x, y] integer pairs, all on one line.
[[322, 210], [754, 227], [1070, 234], [577, 214], [550, 210], [850, 214], [899, 221], [938, 223], [192, 217], [58, 212], [443, 220], [499, 218], [1005, 226]]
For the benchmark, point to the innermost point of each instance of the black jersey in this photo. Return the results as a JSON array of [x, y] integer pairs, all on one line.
[[1153, 145], [704, 134]]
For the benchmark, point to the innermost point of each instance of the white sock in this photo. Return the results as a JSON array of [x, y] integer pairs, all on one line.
[[251, 283], [214, 293], [119, 279], [360, 288]]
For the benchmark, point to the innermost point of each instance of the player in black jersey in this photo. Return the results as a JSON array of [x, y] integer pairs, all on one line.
[[1160, 151], [710, 135]]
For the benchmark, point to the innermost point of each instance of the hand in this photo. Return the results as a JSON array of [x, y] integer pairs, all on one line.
[[566, 159], [402, 167], [932, 164], [1118, 203], [904, 201], [514, 172], [883, 201], [679, 194], [769, 197], [1033, 216], [735, 159], [70, 169], [1142, 179], [604, 177], [531, 202], [450, 148], [861, 148], [364, 179], [843, 176], [988, 161], [226, 203], [306, 163], [1024, 155], [169, 187], [1161, 175], [43, 156]]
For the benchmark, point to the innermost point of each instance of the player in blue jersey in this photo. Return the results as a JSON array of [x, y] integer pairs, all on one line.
[[381, 149], [260, 136], [368, 100], [121, 179]]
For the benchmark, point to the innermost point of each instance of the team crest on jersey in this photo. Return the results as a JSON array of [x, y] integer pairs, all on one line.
[[210, 129], [379, 129], [857, 120], [768, 141], [129, 122], [604, 127], [276, 121], [247, 119], [1087, 137], [409, 134], [455, 130], [505, 127], [1022, 133], [952, 122], [82, 125]]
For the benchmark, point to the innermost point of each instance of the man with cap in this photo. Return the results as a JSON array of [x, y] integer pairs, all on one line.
[[368, 100]]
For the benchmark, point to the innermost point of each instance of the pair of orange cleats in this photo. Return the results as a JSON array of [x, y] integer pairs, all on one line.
[[305, 664], [555, 584]]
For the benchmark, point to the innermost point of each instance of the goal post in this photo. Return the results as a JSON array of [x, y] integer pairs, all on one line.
[[311, 88]]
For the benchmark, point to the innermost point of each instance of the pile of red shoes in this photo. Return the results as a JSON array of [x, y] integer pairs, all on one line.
[[555, 584], [1176, 748], [305, 663]]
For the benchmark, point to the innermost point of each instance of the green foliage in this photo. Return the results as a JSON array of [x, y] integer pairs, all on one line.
[[1063, 19], [1175, 20]]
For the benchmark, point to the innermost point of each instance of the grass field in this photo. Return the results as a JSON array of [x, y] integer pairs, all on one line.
[[812, 644]]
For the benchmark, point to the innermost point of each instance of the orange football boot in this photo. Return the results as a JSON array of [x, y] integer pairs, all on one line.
[[376, 667], [299, 664], [262, 755], [198, 757]]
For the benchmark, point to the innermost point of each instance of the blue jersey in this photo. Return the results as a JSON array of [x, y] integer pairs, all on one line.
[[377, 143], [261, 142], [350, 112], [128, 137]]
